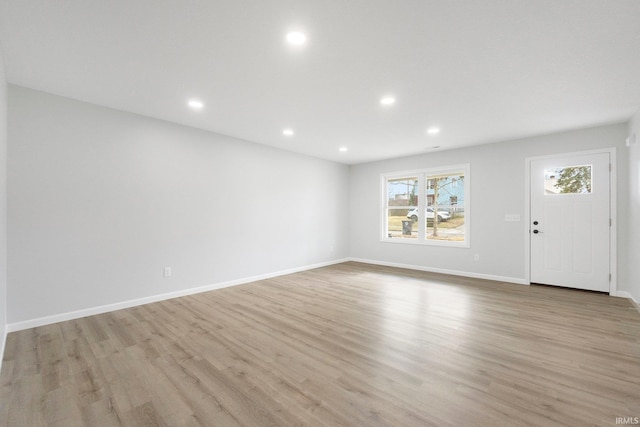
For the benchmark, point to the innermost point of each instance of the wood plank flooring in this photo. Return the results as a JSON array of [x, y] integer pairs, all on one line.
[[350, 344]]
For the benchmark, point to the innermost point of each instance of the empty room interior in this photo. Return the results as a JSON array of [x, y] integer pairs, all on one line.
[[319, 213]]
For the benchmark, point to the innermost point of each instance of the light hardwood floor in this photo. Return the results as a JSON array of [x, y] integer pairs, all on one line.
[[350, 344]]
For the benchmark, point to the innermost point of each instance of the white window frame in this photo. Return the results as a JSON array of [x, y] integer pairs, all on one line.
[[422, 175]]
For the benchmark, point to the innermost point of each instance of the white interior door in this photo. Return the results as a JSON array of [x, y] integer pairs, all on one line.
[[570, 221]]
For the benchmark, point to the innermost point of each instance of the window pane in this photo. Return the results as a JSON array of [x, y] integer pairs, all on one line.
[[402, 191], [568, 180], [445, 196], [450, 229], [400, 225]]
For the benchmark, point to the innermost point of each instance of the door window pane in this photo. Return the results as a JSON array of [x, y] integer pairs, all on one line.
[[568, 180]]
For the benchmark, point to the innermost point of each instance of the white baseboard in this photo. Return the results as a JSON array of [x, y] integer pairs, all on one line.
[[41, 321], [517, 280], [2, 345], [623, 294]]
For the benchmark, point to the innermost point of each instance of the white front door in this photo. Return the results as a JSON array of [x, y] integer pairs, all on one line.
[[570, 225]]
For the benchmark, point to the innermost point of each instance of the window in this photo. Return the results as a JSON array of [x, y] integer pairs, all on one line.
[[568, 180], [427, 207]]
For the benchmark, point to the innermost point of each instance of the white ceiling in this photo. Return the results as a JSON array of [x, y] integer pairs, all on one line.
[[482, 71]]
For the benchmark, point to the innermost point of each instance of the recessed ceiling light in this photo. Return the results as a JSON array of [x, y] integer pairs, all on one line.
[[296, 38], [433, 131], [195, 104], [343, 149], [288, 132], [387, 100]]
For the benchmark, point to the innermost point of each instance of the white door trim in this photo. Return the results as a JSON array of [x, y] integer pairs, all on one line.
[[613, 203]]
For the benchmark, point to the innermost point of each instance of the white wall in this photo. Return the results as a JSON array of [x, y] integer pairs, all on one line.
[[497, 188], [3, 207], [100, 201], [633, 242]]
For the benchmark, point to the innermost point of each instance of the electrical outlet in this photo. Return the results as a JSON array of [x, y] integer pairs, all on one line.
[[167, 272], [476, 257]]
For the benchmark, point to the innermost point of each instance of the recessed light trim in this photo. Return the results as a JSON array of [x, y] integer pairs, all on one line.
[[388, 100], [433, 131], [195, 104], [288, 132], [296, 38], [343, 149]]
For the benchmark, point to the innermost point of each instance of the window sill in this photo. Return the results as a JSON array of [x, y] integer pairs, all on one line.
[[439, 243]]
